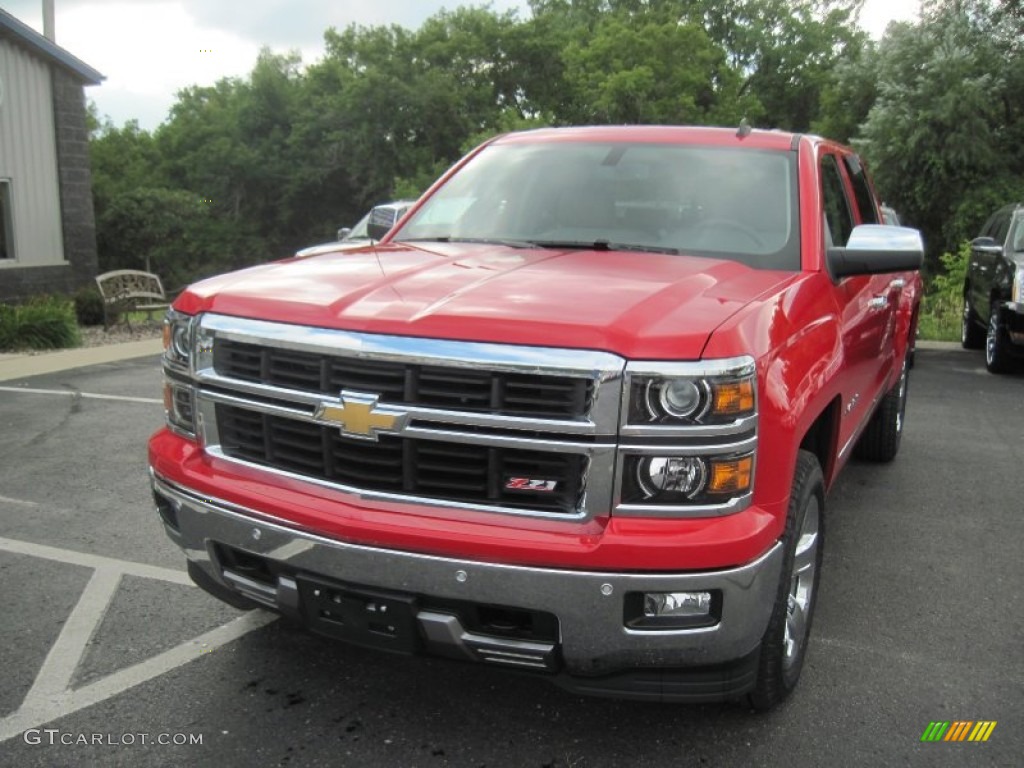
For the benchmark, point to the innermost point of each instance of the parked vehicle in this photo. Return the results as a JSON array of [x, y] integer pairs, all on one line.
[[387, 215], [889, 216], [993, 308], [576, 415]]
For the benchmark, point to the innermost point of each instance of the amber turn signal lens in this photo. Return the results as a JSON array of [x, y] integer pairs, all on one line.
[[731, 476], [167, 335], [168, 398], [734, 398]]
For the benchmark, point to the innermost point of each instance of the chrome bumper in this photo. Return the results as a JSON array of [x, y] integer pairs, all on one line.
[[588, 605]]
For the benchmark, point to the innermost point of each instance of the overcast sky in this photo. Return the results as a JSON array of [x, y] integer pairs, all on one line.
[[148, 49]]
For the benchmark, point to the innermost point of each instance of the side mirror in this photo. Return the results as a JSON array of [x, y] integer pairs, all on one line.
[[986, 245], [382, 219], [343, 233], [876, 249]]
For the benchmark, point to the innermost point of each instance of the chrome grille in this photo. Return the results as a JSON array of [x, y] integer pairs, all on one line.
[[434, 469], [406, 383]]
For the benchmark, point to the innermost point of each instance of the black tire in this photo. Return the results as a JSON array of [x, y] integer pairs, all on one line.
[[997, 352], [972, 335], [784, 645], [881, 438]]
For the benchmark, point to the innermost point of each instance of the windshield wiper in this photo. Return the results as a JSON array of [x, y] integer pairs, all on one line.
[[588, 245], [602, 245], [481, 240]]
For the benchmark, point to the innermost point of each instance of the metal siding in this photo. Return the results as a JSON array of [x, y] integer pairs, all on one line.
[[28, 157]]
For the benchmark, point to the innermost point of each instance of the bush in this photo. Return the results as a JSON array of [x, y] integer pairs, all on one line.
[[943, 301], [41, 323], [88, 306]]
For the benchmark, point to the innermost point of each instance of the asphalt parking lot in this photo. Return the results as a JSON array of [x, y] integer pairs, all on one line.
[[110, 657]]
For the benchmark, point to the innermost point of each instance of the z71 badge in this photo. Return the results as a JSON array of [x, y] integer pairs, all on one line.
[[530, 484]]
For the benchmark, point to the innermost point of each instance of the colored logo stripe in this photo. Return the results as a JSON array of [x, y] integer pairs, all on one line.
[[958, 730], [934, 731], [982, 730]]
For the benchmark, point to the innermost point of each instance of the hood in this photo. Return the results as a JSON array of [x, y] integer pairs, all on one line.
[[639, 305]]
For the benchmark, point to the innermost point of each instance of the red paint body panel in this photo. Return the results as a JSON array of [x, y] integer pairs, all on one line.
[[607, 544], [581, 299]]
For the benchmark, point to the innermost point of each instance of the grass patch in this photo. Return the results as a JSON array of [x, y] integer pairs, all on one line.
[[43, 322]]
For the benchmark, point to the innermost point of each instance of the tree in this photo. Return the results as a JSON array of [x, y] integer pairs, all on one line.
[[945, 134], [153, 229]]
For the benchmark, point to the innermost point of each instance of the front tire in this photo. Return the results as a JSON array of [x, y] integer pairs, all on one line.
[[784, 645], [971, 334], [997, 354]]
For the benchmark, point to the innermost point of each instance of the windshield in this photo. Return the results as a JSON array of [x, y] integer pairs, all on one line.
[[724, 203], [358, 231]]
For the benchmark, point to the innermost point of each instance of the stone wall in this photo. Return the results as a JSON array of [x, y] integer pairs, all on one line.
[[78, 218]]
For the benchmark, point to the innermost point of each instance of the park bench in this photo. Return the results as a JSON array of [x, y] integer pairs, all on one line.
[[130, 290]]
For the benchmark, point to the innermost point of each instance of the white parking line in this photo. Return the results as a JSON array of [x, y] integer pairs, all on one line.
[[19, 502], [88, 560], [83, 395], [50, 696]]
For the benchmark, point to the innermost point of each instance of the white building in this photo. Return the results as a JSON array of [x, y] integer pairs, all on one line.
[[47, 226]]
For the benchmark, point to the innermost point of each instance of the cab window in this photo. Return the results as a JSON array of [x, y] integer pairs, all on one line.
[[838, 220]]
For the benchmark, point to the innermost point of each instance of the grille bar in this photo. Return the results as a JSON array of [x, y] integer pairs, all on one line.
[[434, 469], [457, 388]]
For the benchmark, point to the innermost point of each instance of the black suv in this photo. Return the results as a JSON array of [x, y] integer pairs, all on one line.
[[994, 290]]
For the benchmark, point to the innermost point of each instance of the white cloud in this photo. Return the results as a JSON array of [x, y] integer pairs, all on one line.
[[150, 49], [878, 14]]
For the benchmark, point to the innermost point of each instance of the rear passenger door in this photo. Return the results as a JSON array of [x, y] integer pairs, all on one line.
[[983, 262]]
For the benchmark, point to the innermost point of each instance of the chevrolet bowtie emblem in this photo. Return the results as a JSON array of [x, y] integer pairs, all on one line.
[[359, 416]]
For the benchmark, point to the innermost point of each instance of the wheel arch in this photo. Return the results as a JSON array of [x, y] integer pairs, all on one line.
[[822, 439]]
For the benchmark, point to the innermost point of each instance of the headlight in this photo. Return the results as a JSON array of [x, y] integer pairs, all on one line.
[[687, 394], [179, 402], [688, 438], [179, 407], [686, 480], [178, 339]]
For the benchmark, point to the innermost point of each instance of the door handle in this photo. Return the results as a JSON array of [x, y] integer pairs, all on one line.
[[898, 284], [878, 302]]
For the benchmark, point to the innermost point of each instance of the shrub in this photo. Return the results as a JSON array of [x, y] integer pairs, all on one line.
[[943, 302], [88, 306], [41, 323]]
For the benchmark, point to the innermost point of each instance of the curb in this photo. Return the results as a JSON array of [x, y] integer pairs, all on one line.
[[20, 366]]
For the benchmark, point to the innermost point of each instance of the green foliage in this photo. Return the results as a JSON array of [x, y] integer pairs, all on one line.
[[153, 229], [943, 301], [250, 169], [88, 306], [43, 322], [945, 135]]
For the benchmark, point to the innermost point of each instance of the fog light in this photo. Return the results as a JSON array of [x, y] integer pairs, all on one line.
[[683, 604], [677, 474]]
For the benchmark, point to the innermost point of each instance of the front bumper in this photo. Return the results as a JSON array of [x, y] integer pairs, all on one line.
[[1013, 320], [592, 652]]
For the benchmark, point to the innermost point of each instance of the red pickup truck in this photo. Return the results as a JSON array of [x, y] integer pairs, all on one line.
[[575, 415]]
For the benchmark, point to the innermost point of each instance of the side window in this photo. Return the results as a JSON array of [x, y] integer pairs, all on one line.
[[861, 190], [989, 230], [1018, 236], [1002, 227], [6, 230], [837, 207]]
